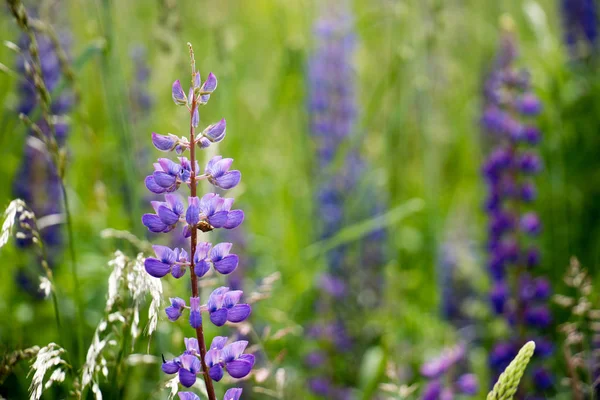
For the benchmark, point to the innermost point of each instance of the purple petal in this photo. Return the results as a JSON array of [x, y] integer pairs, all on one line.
[[219, 219], [202, 251], [152, 186], [201, 268], [220, 250], [215, 132], [167, 215], [233, 394], [178, 271], [195, 319], [219, 317], [216, 372], [218, 342], [227, 265], [163, 142], [164, 253], [175, 203], [191, 363], [215, 300], [234, 350], [173, 313], [164, 179], [197, 80], [192, 216], [234, 219], [191, 345], [212, 357], [186, 377], [211, 164], [211, 83], [219, 166], [170, 367], [232, 298], [239, 368], [178, 94], [188, 396], [156, 268], [239, 313], [228, 180], [203, 143], [153, 223], [226, 204], [195, 117]]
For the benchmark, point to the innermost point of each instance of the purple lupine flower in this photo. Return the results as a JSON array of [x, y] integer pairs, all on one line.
[[580, 22], [210, 212], [37, 180], [229, 357], [195, 315], [218, 173], [339, 170], [204, 214], [467, 384], [168, 175], [437, 369], [175, 310], [178, 94], [223, 306], [508, 172], [213, 133], [167, 260], [233, 394]]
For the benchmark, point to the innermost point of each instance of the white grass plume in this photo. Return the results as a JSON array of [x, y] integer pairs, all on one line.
[[48, 358], [15, 206]]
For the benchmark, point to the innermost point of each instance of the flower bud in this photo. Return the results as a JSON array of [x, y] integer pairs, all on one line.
[[178, 95]]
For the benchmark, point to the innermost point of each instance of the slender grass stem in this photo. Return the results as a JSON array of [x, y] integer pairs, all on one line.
[[74, 273]]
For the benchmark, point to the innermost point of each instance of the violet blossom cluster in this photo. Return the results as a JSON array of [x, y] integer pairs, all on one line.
[[445, 376], [518, 293], [201, 215], [580, 23], [36, 180], [333, 112]]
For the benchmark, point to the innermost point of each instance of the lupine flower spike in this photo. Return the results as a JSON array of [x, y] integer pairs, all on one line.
[[517, 294], [509, 380], [204, 214]]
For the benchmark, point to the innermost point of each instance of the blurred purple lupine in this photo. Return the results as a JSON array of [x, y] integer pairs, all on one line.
[[37, 181], [517, 294], [445, 376], [580, 22], [202, 215], [140, 97], [333, 113]]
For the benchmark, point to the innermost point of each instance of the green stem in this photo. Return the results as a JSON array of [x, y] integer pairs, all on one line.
[[74, 274]]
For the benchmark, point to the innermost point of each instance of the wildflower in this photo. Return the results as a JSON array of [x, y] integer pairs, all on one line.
[[217, 171], [210, 212], [508, 171], [223, 306], [178, 95], [175, 310], [229, 357], [217, 256], [167, 261], [195, 315], [580, 21], [437, 369], [204, 214]]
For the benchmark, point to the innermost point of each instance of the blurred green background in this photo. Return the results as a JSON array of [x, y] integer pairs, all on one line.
[[419, 72]]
